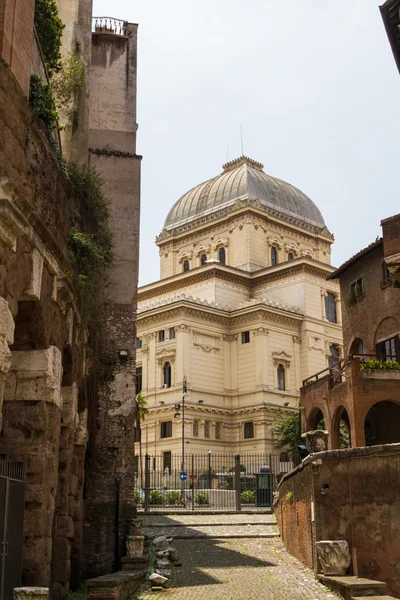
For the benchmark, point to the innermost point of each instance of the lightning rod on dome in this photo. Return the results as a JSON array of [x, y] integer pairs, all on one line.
[[241, 140]]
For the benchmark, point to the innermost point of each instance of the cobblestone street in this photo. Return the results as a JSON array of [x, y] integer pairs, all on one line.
[[238, 568]]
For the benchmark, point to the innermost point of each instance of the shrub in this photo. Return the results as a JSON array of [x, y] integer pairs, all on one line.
[[137, 498], [248, 497], [156, 497], [173, 497], [376, 363], [289, 496], [202, 498], [42, 102]]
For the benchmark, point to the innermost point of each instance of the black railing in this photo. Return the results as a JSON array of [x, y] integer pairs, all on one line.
[[109, 25], [211, 481]]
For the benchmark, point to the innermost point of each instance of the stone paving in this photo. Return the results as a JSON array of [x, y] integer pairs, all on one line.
[[235, 568]]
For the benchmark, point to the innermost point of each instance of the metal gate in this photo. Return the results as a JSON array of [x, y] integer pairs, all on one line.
[[12, 500], [210, 481]]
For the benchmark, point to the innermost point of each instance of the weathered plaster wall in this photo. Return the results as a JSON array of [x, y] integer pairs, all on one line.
[[112, 138]]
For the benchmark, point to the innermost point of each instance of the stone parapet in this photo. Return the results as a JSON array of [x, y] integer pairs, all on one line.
[[31, 593]]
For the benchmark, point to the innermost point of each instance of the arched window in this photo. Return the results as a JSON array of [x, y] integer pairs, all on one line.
[[203, 259], [186, 265], [222, 256], [167, 375], [281, 378], [290, 256], [274, 256]]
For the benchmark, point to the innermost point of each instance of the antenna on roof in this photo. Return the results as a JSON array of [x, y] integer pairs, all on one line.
[[241, 140], [227, 152]]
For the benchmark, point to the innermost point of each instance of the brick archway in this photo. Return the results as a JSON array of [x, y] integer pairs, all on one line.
[[314, 419], [340, 417], [382, 423]]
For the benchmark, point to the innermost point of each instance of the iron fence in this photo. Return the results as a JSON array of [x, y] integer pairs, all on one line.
[[12, 498], [209, 481]]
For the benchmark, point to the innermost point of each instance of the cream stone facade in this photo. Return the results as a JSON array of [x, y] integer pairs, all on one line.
[[242, 309]]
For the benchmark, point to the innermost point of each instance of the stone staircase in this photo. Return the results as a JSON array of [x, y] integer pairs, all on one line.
[[351, 587], [201, 526]]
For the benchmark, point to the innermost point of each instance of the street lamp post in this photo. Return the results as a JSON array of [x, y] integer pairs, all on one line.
[[209, 469], [184, 393]]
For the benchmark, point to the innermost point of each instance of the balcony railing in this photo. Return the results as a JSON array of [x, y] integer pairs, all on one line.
[[109, 25], [337, 373]]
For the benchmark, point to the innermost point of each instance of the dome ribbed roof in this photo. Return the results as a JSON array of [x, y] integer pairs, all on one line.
[[244, 179]]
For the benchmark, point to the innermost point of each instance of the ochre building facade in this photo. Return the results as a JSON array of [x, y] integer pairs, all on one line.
[[242, 310]]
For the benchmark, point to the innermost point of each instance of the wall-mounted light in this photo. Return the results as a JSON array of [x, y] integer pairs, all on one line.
[[123, 354], [200, 401], [162, 402]]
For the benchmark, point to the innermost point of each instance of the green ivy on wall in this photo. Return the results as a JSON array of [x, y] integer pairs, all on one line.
[[49, 28]]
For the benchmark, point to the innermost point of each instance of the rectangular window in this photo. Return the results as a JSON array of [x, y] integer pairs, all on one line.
[[161, 335], [274, 256], [217, 431], [138, 379], [356, 291], [386, 277], [166, 429], [207, 429], [139, 343], [196, 428], [330, 307], [167, 461], [172, 334], [389, 349], [245, 337], [248, 430]]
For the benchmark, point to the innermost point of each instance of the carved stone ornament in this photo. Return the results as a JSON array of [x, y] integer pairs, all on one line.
[[134, 546], [281, 358], [31, 593], [333, 556], [316, 440], [166, 356]]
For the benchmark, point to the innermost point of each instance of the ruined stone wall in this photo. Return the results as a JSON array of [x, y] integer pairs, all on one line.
[[42, 342], [110, 468], [356, 495]]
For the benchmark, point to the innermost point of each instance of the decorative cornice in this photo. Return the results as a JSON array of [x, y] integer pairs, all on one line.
[[109, 152], [281, 358]]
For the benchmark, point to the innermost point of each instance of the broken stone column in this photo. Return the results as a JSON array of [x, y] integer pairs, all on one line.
[[31, 593], [31, 434], [316, 440], [333, 556]]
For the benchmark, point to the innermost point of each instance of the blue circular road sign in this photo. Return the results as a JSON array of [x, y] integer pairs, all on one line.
[[182, 476]]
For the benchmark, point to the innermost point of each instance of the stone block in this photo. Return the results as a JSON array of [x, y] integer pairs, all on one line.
[[38, 376], [65, 527], [61, 570], [333, 556], [5, 355], [163, 563], [160, 542], [62, 549], [7, 325], [31, 593], [134, 546], [156, 579], [69, 413], [316, 440], [34, 287]]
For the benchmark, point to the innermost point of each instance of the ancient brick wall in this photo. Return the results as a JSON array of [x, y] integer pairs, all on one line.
[[294, 514], [356, 494]]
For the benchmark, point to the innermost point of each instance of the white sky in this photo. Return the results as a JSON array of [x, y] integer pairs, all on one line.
[[312, 82]]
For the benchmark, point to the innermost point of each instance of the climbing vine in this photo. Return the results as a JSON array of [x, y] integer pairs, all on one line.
[[49, 28], [66, 83], [42, 102], [90, 253]]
